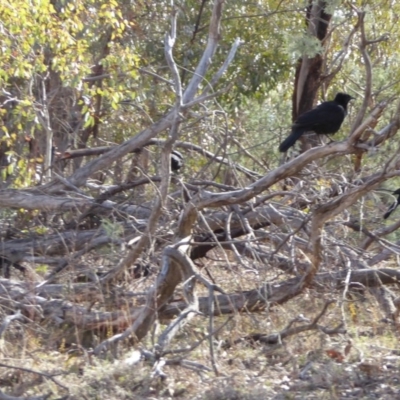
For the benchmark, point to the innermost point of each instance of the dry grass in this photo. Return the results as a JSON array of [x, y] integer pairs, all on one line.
[[297, 368]]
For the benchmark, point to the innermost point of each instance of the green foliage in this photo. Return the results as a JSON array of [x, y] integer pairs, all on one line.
[[64, 44], [331, 6], [303, 45], [112, 229]]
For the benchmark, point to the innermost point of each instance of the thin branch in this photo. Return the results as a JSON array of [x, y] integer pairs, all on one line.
[[7, 321], [31, 371]]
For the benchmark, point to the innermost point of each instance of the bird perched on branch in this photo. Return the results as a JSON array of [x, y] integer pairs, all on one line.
[[176, 161], [323, 119], [393, 206]]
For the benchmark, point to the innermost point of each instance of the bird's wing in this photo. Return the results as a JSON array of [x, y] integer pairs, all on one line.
[[325, 112]]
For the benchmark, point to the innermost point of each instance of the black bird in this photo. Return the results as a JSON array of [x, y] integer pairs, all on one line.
[[323, 119], [393, 206], [176, 161], [11, 259]]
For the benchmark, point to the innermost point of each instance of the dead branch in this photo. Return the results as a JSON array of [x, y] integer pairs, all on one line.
[[288, 330], [31, 371], [189, 280], [256, 300], [7, 321], [166, 122], [71, 154], [4, 396]]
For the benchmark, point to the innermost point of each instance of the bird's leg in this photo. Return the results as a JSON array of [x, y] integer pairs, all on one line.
[[330, 140]]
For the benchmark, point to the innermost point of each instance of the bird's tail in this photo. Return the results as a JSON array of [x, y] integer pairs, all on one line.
[[391, 209], [290, 140]]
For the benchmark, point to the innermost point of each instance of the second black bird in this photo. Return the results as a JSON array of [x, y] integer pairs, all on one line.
[[176, 161], [394, 205], [326, 118]]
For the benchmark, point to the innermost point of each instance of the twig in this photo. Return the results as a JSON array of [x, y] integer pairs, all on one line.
[[197, 344], [224, 66], [31, 371], [4, 396], [192, 365], [7, 321], [289, 331], [211, 328]]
